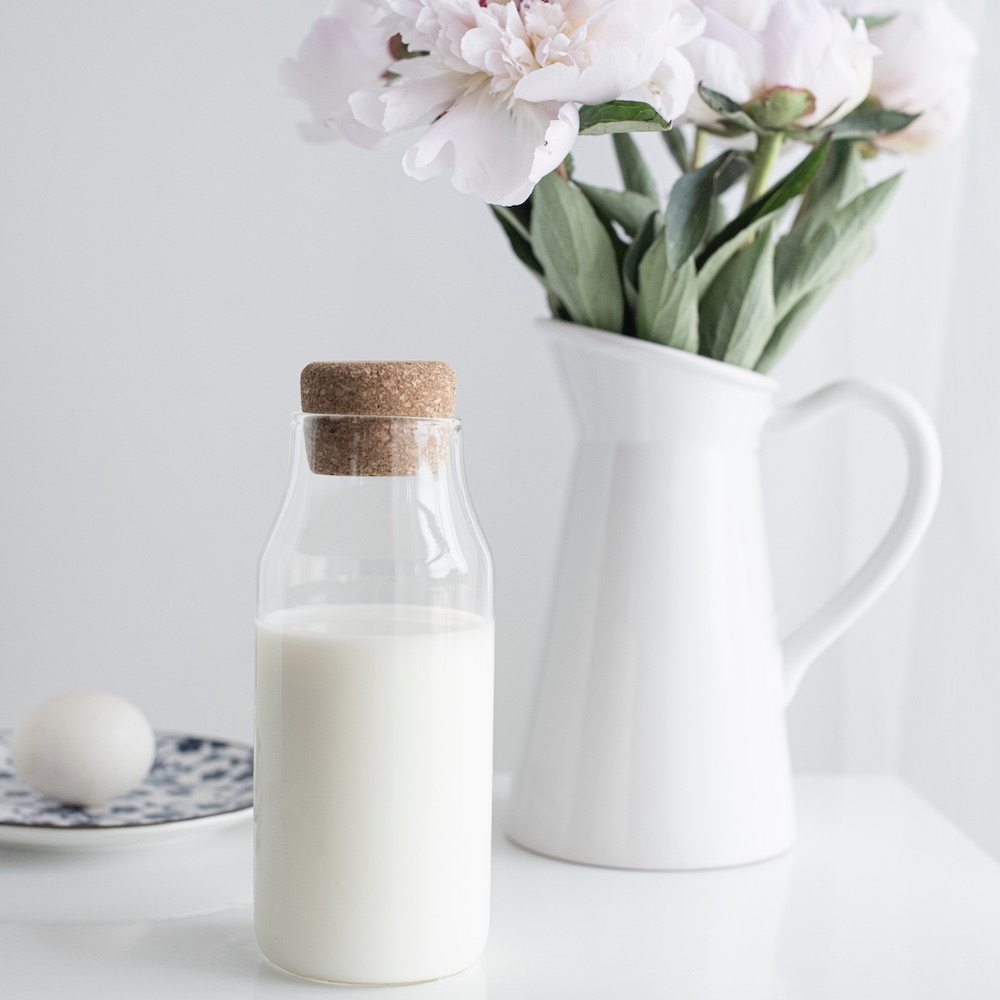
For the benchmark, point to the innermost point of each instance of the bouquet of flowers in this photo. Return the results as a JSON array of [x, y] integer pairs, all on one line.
[[735, 259]]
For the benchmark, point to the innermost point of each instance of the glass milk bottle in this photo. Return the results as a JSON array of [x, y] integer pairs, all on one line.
[[374, 688]]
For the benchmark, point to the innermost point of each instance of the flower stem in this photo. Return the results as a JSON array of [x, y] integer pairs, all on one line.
[[764, 159], [698, 153]]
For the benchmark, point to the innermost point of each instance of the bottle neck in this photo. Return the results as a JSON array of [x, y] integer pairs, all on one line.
[[357, 445], [393, 525]]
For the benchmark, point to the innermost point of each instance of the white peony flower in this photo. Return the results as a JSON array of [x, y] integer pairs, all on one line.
[[925, 68], [802, 45], [499, 87], [346, 50]]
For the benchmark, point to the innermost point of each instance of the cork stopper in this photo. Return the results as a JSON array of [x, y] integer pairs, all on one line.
[[379, 388], [356, 416]]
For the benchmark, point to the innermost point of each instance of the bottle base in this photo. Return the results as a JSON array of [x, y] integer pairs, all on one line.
[[363, 985]]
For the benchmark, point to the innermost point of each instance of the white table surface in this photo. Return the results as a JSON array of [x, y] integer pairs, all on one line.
[[882, 898]]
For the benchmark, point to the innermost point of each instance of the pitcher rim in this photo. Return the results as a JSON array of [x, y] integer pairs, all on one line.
[[626, 346]]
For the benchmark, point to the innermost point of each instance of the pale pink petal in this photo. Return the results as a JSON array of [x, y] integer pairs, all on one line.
[[493, 151], [607, 79], [559, 139], [341, 53], [436, 26], [925, 68], [670, 89], [749, 14], [409, 102]]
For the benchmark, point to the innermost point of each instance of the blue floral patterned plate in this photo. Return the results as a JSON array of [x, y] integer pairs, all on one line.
[[195, 783]]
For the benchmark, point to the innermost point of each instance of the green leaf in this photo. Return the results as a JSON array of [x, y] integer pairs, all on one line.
[[677, 147], [635, 174], [651, 229], [838, 181], [807, 262], [735, 170], [875, 20], [781, 107], [865, 123], [709, 271], [620, 116], [803, 310], [519, 237], [667, 307], [737, 313], [789, 187], [690, 208], [577, 255], [791, 325], [558, 310], [628, 208], [870, 120], [730, 113]]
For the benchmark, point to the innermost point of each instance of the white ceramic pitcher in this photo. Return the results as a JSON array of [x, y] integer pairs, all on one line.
[[658, 738]]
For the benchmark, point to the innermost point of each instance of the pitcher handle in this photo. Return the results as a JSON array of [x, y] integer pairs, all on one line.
[[923, 485]]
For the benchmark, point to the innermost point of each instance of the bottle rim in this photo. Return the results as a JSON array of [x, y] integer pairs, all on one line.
[[455, 423]]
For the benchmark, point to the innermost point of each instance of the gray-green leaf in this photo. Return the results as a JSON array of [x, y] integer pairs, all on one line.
[[677, 148], [730, 113], [691, 205], [868, 122], [635, 173], [737, 313], [710, 269], [667, 307], [519, 237], [651, 229], [805, 264], [628, 208], [576, 254], [792, 324], [798, 316], [839, 180], [876, 20], [620, 116]]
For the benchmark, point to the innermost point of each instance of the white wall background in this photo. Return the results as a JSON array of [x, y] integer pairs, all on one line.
[[171, 254]]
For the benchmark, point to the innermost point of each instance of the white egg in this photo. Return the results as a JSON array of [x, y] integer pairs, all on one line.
[[83, 748]]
